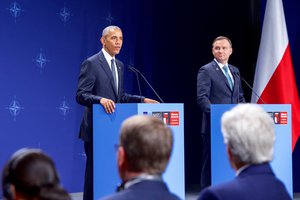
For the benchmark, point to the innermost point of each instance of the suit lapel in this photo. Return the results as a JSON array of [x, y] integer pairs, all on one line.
[[118, 65], [107, 71]]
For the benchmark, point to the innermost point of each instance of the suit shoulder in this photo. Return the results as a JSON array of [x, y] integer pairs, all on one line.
[[208, 69], [209, 66], [115, 196], [225, 190], [209, 194], [119, 63], [94, 57], [234, 67]]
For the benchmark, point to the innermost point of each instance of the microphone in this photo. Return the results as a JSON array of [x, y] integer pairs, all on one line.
[[138, 81], [137, 71], [238, 74]]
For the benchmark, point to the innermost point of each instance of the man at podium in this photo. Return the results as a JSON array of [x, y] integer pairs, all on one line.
[[217, 83], [101, 82]]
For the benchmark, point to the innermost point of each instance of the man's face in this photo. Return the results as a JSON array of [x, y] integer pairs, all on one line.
[[222, 51], [113, 41]]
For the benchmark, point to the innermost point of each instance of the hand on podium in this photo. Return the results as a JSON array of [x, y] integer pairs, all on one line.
[[108, 105], [147, 100]]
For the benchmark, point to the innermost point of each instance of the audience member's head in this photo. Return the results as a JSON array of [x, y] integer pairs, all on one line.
[[145, 146], [31, 175], [248, 133]]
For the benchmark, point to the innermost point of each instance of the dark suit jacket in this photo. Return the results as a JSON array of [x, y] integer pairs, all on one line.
[[144, 190], [213, 88], [96, 81], [256, 182]]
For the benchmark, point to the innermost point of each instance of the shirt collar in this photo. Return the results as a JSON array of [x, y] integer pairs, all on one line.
[[107, 56], [239, 171], [220, 64], [142, 177]]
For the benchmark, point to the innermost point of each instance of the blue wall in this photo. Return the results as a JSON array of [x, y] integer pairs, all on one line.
[[43, 43]]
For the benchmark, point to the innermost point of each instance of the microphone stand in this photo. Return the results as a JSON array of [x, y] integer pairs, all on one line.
[[137, 71], [250, 87], [138, 82]]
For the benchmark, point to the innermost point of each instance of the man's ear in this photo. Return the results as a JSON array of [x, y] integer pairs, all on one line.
[[102, 40], [121, 157], [122, 163], [9, 192], [229, 153], [231, 157], [231, 50]]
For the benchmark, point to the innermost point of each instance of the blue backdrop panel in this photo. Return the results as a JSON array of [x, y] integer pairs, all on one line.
[[282, 163], [106, 135], [42, 46]]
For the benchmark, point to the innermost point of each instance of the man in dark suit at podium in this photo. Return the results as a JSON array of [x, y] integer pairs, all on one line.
[[143, 153], [217, 83], [249, 135], [101, 81]]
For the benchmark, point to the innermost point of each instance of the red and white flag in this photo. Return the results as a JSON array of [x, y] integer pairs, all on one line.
[[274, 79]]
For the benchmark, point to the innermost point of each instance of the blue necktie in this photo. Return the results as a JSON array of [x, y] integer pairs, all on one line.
[[113, 71], [228, 76]]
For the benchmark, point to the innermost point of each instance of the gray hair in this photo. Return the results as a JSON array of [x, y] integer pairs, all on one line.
[[249, 133], [108, 28], [147, 143]]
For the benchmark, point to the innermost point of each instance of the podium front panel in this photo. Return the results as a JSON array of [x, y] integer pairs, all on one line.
[[106, 135]]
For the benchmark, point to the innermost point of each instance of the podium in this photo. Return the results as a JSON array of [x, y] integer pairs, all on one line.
[[282, 162], [106, 128]]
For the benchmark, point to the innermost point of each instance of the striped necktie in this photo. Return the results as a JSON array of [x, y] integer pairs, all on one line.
[[113, 71], [225, 68]]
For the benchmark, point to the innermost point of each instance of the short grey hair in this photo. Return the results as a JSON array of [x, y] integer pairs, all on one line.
[[147, 143], [249, 133], [108, 28]]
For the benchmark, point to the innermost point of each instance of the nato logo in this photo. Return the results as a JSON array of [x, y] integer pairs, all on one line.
[[14, 108], [109, 18], [15, 10], [82, 156], [64, 108], [41, 61], [64, 14]]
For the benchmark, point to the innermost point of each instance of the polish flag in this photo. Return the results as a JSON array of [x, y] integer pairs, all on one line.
[[274, 79]]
